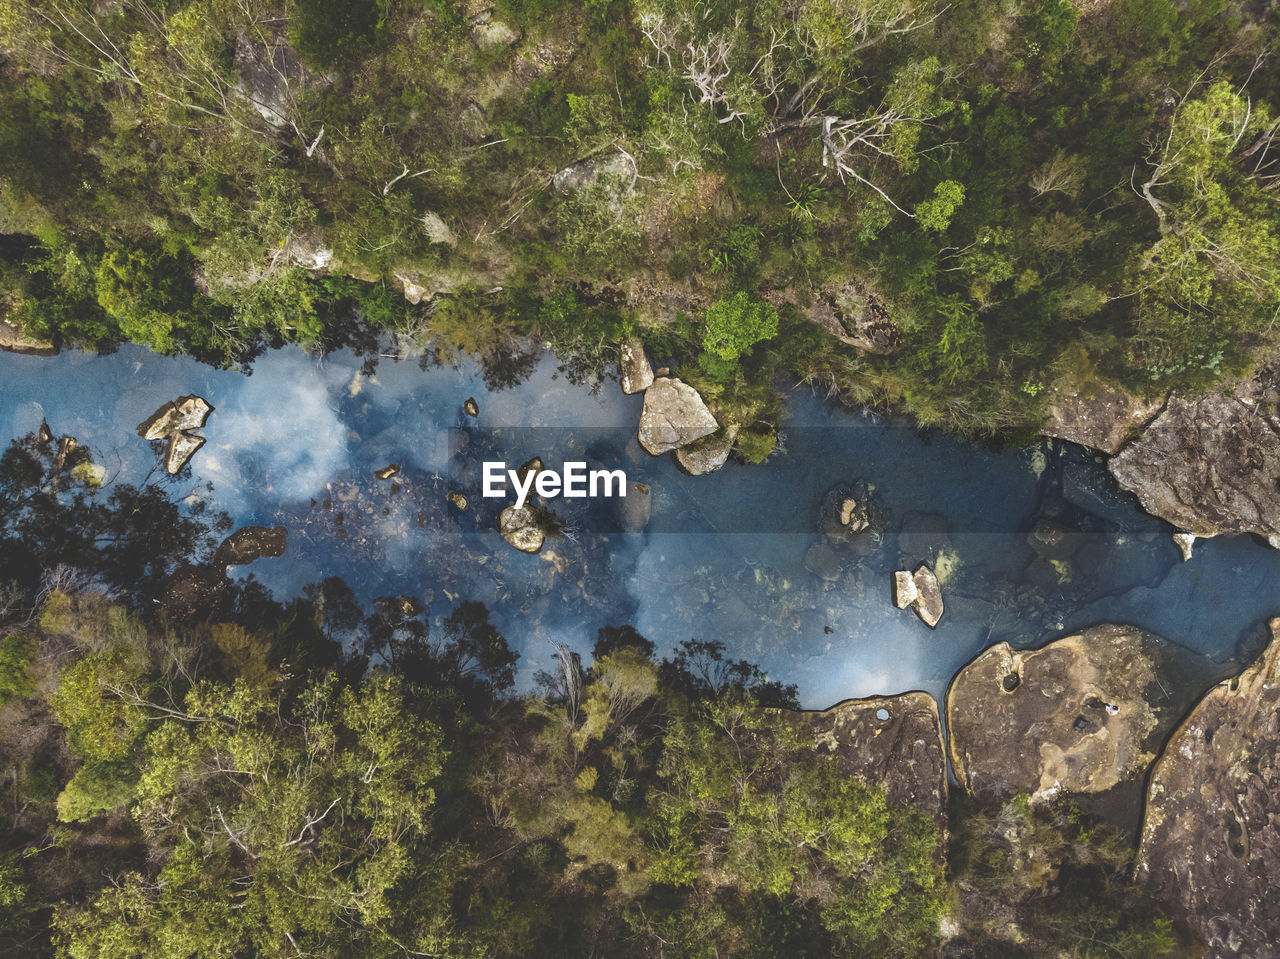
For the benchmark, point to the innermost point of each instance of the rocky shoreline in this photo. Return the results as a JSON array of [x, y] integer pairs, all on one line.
[[1096, 719]]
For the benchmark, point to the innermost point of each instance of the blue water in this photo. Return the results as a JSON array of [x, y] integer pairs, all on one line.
[[296, 442]]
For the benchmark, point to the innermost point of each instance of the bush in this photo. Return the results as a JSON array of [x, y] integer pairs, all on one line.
[[733, 327], [17, 650]]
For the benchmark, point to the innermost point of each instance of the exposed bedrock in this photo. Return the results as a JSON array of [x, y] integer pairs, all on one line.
[[1100, 416], [892, 741], [1082, 717], [1211, 465], [1210, 848]]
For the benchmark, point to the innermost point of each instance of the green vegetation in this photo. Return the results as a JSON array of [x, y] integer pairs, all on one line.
[[1043, 194], [311, 777]]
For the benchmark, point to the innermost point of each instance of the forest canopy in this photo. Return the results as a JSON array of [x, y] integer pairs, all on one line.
[[1028, 196]]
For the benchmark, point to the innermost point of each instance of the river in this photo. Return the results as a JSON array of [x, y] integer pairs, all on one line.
[[724, 556]]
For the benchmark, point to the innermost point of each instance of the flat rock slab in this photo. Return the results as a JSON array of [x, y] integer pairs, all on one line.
[[674, 416], [1209, 466], [633, 367], [250, 543], [890, 741], [1210, 848], [1081, 716], [1103, 417]]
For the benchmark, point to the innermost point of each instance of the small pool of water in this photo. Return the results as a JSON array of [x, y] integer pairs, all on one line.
[[735, 556]]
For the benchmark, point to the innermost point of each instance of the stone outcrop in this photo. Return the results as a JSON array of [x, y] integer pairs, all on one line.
[[674, 416], [1081, 716], [250, 543], [856, 316], [633, 367], [1210, 849], [520, 527], [892, 741], [708, 454], [921, 591], [1186, 544], [174, 421], [1210, 466], [588, 172], [13, 340], [1100, 416]]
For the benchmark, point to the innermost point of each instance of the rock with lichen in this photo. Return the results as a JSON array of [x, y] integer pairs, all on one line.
[[674, 415]]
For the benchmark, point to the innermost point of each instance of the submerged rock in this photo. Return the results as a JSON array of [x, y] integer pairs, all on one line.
[[674, 416], [520, 527], [894, 742], [250, 543], [1081, 716], [386, 472], [471, 407], [457, 499], [1209, 465], [708, 454], [636, 507], [634, 368], [823, 561], [1210, 849], [921, 591], [1102, 416]]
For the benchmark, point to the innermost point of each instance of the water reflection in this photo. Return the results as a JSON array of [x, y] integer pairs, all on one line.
[[1027, 544]]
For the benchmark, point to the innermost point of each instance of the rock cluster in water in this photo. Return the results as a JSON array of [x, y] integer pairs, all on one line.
[[921, 591], [174, 422]]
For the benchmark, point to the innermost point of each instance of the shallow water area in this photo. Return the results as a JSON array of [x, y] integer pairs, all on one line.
[[736, 556]]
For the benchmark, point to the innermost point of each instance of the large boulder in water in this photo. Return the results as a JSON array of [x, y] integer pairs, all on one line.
[[634, 368], [894, 742], [1209, 465], [708, 454], [1081, 716], [1100, 416], [674, 416], [520, 527], [1210, 849]]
